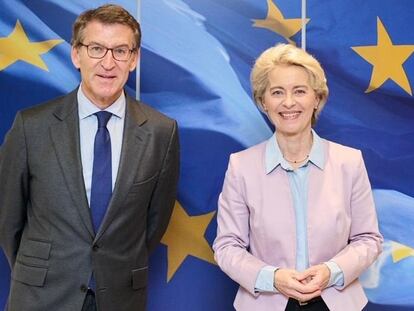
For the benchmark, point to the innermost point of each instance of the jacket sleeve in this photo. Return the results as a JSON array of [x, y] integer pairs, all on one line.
[[163, 197], [232, 242], [14, 189], [365, 240]]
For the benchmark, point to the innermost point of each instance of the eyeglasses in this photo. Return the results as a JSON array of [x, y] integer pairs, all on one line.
[[121, 53]]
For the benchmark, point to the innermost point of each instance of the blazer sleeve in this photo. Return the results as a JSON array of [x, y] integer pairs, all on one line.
[[164, 195], [14, 177], [232, 242], [365, 240]]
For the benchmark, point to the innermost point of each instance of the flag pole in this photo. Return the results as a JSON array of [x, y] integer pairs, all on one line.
[[303, 32], [138, 70]]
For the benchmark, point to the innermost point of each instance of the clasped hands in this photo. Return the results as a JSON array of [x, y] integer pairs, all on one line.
[[302, 286]]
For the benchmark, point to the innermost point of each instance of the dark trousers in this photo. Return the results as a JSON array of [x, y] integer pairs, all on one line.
[[316, 304], [89, 303]]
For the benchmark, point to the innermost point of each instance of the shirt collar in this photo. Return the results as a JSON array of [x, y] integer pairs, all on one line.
[[87, 108], [274, 157]]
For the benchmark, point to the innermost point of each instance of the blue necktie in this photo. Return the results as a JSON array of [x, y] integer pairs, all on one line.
[[101, 189]]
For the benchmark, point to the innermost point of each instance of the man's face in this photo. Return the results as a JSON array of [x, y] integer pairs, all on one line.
[[103, 79]]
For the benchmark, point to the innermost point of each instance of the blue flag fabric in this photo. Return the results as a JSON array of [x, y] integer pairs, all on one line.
[[196, 60], [389, 280]]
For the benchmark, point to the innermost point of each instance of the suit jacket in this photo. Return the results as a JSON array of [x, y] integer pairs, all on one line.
[[46, 230], [256, 225]]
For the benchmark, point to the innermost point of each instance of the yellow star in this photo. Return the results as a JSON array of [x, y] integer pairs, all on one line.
[[18, 47], [387, 60], [400, 252], [185, 236], [276, 22]]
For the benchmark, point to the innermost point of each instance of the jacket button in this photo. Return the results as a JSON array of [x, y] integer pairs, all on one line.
[[95, 248], [84, 288]]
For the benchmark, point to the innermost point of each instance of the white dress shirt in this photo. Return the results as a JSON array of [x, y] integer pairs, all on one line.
[[88, 125]]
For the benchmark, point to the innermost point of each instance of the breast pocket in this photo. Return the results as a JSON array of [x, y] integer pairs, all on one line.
[[144, 185]]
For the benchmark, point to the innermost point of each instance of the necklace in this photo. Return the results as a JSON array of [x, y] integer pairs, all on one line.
[[297, 161]]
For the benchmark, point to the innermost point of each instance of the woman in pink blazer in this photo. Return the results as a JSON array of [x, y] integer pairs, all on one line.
[[296, 219]]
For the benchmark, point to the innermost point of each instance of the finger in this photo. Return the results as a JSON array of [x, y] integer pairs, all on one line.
[[304, 288], [305, 275], [306, 281], [322, 282]]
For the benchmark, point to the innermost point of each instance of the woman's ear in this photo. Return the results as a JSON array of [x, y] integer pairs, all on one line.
[[263, 105], [318, 100]]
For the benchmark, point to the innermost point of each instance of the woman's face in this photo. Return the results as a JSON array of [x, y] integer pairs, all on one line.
[[289, 100]]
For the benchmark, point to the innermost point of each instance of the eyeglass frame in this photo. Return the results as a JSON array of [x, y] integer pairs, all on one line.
[[106, 52]]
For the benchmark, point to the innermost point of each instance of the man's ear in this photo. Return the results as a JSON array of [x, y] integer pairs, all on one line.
[[135, 59], [74, 54]]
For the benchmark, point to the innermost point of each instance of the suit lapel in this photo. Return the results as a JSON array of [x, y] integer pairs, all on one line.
[[65, 137], [134, 143]]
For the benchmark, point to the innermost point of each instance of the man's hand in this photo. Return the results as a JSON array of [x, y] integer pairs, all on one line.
[[294, 284]]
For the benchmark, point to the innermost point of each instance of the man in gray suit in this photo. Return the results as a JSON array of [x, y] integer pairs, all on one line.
[[88, 181]]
